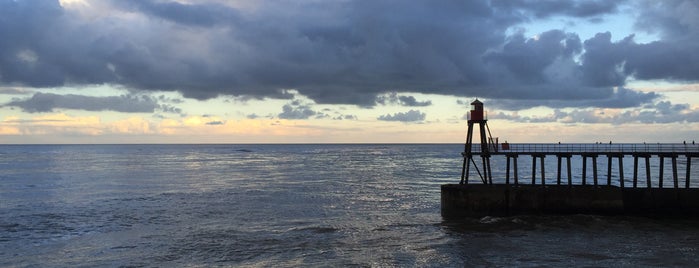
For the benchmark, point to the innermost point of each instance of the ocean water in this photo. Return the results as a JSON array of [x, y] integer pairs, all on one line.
[[290, 206]]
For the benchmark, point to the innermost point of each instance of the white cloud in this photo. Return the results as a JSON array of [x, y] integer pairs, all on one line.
[[409, 116]]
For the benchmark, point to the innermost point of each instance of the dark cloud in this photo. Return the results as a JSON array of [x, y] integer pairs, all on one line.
[[346, 117], [603, 61], [215, 123], [528, 58], [290, 111], [332, 52], [394, 98], [203, 15], [163, 98], [664, 60], [654, 113], [673, 20], [343, 52], [547, 8], [409, 116], [607, 63], [48, 102], [620, 98], [410, 101]]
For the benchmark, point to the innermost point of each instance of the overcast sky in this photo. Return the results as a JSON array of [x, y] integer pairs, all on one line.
[[204, 71]]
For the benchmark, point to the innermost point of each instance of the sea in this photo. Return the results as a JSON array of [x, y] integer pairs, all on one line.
[[295, 205]]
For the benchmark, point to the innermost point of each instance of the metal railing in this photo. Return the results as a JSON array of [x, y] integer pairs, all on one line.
[[626, 148]]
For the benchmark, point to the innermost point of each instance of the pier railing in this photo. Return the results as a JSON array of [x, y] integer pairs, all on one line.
[[641, 153], [580, 148]]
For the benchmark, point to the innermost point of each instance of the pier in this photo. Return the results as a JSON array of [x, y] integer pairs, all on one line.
[[613, 153], [596, 192]]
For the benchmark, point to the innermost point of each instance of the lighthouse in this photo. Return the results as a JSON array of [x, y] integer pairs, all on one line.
[[476, 111], [477, 116]]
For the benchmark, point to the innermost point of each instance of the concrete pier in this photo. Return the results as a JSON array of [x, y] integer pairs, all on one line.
[[504, 200]]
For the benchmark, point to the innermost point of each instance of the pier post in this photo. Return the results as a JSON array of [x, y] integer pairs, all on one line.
[[486, 160], [485, 169], [558, 171], [621, 171], [619, 157], [594, 168], [645, 156], [635, 171], [609, 169], [570, 177], [507, 172], [660, 171], [465, 170], [560, 166], [533, 169], [543, 179], [689, 165], [468, 155], [648, 184], [674, 171], [584, 171], [515, 170]]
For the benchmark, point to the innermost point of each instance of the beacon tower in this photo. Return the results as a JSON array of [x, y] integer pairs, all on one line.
[[477, 116]]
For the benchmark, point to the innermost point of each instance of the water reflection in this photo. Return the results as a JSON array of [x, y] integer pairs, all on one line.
[[579, 240]]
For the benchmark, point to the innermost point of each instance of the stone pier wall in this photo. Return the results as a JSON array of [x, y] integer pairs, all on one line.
[[502, 200]]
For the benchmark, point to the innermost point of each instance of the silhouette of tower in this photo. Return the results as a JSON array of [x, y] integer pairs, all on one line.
[[476, 116]]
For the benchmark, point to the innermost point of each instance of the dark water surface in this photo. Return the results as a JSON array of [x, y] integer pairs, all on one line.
[[289, 205]]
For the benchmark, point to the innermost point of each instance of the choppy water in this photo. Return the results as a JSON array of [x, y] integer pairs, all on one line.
[[288, 205]]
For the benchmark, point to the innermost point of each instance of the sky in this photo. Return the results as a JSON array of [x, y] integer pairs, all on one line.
[[344, 71]]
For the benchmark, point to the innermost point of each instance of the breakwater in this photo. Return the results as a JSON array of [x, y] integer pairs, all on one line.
[[502, 200]]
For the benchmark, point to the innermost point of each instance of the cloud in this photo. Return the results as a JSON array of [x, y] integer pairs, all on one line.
[[51, 124], [410, 101], [544, 9], [526, 59], [394, 98], [131, 125], [620, 98], [345, 117], [202, 15], [14, 91], [410, 116], [290, 111], [661, 112], [47, 102], [298, 109], [674, 20], [341, 52], [216, 123]]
